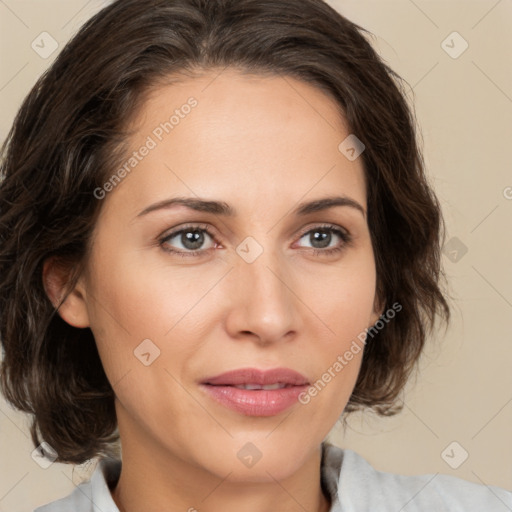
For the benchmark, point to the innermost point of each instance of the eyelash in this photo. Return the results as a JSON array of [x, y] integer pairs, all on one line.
[[344, 235]]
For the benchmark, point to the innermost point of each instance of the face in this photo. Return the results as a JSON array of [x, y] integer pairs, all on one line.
[[177, 295]]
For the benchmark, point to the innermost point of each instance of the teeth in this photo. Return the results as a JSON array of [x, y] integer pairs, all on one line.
[[267, 387]]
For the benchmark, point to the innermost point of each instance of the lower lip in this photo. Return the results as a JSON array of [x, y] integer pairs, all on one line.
[[255, 402]]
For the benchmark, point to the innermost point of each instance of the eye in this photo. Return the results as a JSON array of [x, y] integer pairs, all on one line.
[[321, 238], [189, 240]]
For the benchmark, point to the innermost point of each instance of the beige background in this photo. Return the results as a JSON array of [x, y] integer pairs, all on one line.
[[463, 392]]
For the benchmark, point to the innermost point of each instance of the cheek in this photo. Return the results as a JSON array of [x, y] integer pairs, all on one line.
[[132, 300], [345, 306], [354, 300], [344, 296]]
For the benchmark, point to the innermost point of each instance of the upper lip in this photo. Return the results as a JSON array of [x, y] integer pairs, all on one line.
[[256, 376]]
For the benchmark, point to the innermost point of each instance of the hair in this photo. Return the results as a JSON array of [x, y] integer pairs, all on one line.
[[69, 135]]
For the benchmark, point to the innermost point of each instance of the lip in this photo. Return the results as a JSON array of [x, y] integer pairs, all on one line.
[[256, 376], [256, 402]]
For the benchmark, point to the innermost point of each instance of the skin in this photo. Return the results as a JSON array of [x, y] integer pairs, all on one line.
[[263, 145]]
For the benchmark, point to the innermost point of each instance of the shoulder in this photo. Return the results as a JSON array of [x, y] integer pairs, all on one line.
[[79, 500], [92, 495], [361, 487]]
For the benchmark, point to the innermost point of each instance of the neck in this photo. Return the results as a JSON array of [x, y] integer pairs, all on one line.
[[155, 479]]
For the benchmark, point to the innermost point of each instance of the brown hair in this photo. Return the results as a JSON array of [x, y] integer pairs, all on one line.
[[68, 137]]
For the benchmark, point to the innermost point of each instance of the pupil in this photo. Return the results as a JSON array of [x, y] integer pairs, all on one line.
[[324, 238], [192, 239]]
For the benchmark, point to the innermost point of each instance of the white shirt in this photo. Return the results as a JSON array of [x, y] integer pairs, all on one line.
[[351, 482]]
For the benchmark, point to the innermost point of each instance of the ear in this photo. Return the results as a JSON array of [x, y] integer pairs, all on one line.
[[73, 310]]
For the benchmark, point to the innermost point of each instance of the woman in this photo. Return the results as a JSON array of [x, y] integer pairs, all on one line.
[[217, 237]]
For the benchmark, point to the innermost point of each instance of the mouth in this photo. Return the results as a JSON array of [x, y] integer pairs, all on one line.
[[254, 392], [277, 377], [252, 387]]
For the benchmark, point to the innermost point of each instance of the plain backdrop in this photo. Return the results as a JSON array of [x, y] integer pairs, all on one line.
[[457, 416]]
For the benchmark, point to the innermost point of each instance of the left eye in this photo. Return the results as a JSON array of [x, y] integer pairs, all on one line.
[[323, 236]]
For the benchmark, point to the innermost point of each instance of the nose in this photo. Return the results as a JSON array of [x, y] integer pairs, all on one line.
[[264, 301]]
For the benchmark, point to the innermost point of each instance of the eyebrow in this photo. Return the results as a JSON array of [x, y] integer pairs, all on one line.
[[222, 208]]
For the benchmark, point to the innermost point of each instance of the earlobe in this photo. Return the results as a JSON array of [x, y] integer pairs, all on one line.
[[73, 310]]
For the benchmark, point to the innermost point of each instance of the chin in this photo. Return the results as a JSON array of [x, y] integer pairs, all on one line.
[[259, 459]]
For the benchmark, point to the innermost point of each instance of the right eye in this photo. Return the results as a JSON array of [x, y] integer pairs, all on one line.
[[191, 239]]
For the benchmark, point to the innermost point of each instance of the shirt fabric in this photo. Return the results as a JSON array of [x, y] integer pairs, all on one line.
[[351, 482]]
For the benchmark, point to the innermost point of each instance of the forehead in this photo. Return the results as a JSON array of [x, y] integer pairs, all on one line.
[[248, 135]]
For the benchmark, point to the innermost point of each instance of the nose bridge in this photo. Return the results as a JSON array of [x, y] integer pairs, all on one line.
[[264, 303]]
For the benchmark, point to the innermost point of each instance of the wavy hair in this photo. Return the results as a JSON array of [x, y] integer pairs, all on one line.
[[68, 136]]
